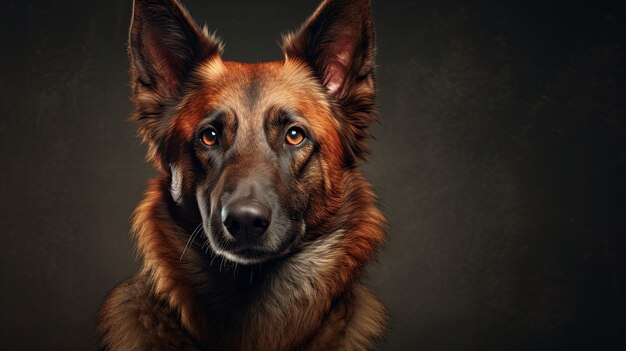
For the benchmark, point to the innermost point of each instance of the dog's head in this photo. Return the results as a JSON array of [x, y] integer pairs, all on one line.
[[258, 150]]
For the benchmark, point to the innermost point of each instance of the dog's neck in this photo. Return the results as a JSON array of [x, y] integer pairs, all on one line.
[[214, 298]]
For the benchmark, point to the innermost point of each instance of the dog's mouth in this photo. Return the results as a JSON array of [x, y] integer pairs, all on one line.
[[249, 256], [272, 246]]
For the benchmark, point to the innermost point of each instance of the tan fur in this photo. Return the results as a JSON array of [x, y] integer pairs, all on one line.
[[314, 297]]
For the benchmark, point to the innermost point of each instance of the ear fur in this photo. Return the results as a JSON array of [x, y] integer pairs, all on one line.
[[165, 45], [337, 42]]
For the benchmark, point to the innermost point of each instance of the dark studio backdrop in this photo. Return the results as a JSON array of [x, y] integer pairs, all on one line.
[[500, 160]]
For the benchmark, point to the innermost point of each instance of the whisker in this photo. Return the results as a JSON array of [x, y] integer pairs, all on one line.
[[212, 259], [194, 233]]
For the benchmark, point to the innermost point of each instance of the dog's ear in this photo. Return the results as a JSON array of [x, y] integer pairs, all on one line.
[[165, 45], [337, 41]]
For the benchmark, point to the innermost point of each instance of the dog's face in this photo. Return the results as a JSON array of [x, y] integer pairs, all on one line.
[[257, 149], [257, 133]]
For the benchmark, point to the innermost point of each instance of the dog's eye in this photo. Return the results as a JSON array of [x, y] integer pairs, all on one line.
[[295, 136], [209, 137]]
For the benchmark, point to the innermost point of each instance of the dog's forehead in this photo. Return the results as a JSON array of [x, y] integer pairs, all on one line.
[[250, 90]]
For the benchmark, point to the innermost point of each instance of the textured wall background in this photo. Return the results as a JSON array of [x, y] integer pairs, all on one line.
[[500, 161]]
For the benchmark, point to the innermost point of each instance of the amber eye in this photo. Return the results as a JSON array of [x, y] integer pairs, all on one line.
[[209, 137], [295, 136]]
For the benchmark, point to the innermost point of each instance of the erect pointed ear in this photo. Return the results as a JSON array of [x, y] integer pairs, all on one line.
[[165, 45], [338, 42]]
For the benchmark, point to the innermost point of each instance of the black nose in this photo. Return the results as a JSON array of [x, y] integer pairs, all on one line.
[[246, 218]]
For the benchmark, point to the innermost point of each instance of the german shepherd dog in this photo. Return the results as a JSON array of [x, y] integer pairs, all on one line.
[[256, 233]]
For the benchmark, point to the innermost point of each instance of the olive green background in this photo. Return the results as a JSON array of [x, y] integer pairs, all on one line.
[[500, 160]]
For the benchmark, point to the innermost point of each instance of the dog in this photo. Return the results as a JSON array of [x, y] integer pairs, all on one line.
[[256, 233]]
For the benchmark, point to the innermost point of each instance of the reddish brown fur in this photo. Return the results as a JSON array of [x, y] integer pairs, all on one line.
[[311, 299]]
